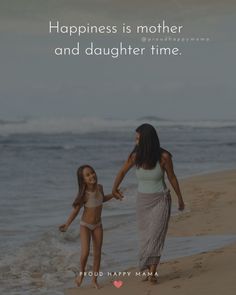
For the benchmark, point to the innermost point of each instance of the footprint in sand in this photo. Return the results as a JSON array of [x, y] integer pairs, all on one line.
[[198, 265], [177, 286], [176, 275], [174, 262], [198, 259]]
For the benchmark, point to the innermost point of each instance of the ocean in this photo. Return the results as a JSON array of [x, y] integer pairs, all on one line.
[[38, 163]]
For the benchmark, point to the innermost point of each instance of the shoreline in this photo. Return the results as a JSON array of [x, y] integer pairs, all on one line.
[[190, 275], [210, 210], [209, 172]]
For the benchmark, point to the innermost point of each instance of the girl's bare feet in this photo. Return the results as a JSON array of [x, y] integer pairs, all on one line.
[[153, 279], [79, 279], [95, 284], [146, 278]]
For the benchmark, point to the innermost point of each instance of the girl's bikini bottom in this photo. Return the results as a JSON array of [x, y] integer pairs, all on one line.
[[90, 226]]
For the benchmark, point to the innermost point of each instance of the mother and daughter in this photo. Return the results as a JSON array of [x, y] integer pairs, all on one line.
[[153, 205]]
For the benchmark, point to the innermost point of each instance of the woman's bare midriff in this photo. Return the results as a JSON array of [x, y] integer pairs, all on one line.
[[92, 215]]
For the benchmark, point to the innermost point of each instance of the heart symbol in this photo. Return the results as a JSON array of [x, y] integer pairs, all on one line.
[[117, 284]]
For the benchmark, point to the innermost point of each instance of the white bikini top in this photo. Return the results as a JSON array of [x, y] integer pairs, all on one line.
[[93, 199]]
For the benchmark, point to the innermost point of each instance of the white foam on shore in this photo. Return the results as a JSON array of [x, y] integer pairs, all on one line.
[[94, 124]]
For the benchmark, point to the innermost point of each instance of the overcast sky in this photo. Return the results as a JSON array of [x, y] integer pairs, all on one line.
[[199, 84]]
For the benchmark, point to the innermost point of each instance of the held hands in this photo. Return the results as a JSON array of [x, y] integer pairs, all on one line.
[[117, 194], [63, 227]]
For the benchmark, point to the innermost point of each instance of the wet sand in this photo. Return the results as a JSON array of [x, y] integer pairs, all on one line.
[[210, 210]]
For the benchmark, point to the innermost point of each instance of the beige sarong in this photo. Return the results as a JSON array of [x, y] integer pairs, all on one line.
[[153, 214]]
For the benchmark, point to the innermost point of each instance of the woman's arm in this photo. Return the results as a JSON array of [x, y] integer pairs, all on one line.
[[71, 217], [129, 163], [168, 166]]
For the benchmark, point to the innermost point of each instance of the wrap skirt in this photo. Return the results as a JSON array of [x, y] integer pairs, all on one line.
[[153, 214]]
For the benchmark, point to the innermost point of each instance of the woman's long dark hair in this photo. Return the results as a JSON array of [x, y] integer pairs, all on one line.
[[81, 184], [148, 151]]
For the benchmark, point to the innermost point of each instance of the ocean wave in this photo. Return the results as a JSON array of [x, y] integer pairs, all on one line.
[[43, 264], [94, 124], [48, 264]]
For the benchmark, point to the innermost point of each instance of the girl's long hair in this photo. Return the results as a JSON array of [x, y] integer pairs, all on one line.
[[81, 184], [148, 151]]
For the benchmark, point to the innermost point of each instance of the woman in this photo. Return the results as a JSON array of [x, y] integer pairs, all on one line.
[[153, 199]]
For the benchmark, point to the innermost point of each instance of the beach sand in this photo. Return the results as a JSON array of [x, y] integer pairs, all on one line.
[[210, 210]]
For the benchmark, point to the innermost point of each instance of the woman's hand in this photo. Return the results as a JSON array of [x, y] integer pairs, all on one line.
[[63, 227], [181, 205], [117, 194]]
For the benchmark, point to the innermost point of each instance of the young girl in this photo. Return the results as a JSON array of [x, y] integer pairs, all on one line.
[[90, 196]]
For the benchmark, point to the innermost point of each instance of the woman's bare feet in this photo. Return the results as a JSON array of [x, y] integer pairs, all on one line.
[[79, 279]]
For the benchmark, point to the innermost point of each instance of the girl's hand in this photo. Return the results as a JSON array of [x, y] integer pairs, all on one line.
[[63, 227], [181, 205], [117, 194]]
